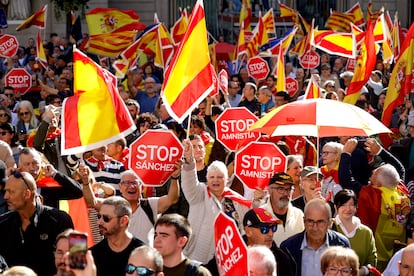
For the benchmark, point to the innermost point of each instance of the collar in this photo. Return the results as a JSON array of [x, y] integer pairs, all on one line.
[[305, 243]]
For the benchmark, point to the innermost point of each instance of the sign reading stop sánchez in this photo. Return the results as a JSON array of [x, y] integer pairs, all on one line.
[[19, 79], [309, 60], [258, 68], [153, 156]]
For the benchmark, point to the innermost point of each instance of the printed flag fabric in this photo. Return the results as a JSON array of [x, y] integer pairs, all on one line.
[[38, 19], [245, 14], [356, 11], [286, 11], [40, 51], [313, 91], [365, 63], [164, 48], [401, 81], [339, 21], [187, 82], [269, 22], [273, 47], [259, 38], [111, 30], [335, 43], [280, 72], [179, 28], [96, 114]]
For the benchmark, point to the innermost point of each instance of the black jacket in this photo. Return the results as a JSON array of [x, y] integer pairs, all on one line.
[[33, 247]]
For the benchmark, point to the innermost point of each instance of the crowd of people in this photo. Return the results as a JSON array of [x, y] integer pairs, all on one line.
[[347, 209]]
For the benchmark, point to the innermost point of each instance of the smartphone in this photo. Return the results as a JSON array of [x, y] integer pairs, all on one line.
[[78, 246]]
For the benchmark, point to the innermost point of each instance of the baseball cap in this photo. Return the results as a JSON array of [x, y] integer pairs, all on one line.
[[281, 178], [378, 73], [258, 216], [309, 170]]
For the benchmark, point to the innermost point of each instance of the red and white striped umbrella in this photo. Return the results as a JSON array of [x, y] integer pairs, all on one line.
[[319, 118]]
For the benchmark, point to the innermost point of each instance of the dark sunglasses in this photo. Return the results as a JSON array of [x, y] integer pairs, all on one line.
[[4, 115], [264, 229], [17, 174], [141, 270], [24, 113], [105, 218]]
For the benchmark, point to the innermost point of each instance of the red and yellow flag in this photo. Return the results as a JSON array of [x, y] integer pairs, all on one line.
[[335, 43], [269, 22], [96, 114], [179, 27], [40, 52], [339, 21], [164, 47], [188, 82], [401, 81], [313, 91], [371, 15], [245, 14], [259, 38], [365, 63], [38, 19], [280, 72], [356, 11]]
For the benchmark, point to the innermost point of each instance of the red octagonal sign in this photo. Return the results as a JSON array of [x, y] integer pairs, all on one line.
[[291, 86], [153, 156], [258, 68], [19, 79], [8, 45], [232, 128], [256, 163], [309, 60]]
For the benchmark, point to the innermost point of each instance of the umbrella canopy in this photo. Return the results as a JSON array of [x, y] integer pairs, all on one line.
[[319, 118]]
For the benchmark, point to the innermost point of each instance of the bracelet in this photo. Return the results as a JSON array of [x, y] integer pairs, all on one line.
[[175, 178]]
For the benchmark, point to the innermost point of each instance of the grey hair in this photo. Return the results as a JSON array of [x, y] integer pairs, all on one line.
[[122, 206], [318, 203], [291, 158], [388, 176], [129, 173], [218, 166], [336, 146], [152, 254], [260, 254]]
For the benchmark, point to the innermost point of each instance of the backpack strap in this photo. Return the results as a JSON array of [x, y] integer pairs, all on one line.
[[192, 268], [143, 202]]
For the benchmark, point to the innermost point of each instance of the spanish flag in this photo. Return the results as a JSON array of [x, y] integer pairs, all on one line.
[[335, 43], [280, 72], [38, 19], [313, 91], [96, 114], [40, 51], [245, 14], [164, 47], [401, 77], [189, 80], [179, 27], [365, 63], [269, 22]]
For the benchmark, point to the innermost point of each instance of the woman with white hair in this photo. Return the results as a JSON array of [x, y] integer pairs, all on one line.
[[261, 261], [27, 121], [206, 201]]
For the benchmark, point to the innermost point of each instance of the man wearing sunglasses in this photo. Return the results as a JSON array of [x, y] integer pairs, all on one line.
[[144, 261], [29, 230], [260, 226]]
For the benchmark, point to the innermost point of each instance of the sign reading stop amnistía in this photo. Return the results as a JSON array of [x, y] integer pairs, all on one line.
[[19, 79], [231, 252], [258, 68], [8, 45], [153, 156], [232, 128], [256, 163]]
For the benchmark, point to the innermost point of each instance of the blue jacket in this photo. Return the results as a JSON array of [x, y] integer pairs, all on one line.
[[292, 246]]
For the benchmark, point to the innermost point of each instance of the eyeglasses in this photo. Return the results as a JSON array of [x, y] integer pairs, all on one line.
[[319, 223], [59, 254], [327, 152], [332, 270], [106, 218], [281, 190], [18, 174], [4, 115], [2, 133], [141, 270], [264, 229], [126, 182], [24, 113]]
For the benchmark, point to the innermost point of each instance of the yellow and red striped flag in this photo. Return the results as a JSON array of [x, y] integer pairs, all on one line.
[[313, 90], [245, 14], [187, 82], [371, 15], [401, 80], [38, 19], [334, 43], [365, 63], [179, 28], [259, 38], [240, 48], [382, 36], [269, 22], [164, 48], [339, 21], [111, 30], [396, 37], [40, 51], [286, 11], [284, 42], [95, 115], [356, 11], [280, 72]]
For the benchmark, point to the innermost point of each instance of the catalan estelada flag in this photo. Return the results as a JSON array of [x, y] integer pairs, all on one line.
[[313, 91], [95, 115], [40, 51], [401, 80], [365, 63], [188, 81], [38, 19]]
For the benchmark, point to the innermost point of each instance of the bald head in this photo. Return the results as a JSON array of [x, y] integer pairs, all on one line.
[[406, 266]]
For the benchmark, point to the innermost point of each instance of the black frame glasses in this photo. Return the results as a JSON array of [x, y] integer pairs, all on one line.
[[141, 270], [264, 229], [106, 218], [18, 174]]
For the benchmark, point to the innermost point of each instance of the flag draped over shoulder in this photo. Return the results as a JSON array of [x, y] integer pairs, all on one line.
[[38, 19], [188, 81], [96, 114], [111, 30], [401, 79], [40, 51], [365, 63]]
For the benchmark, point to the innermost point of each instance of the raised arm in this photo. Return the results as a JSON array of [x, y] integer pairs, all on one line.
[[174, 191]]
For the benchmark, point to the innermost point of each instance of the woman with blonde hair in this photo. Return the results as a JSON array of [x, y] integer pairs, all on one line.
[[339, 259]]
